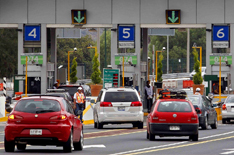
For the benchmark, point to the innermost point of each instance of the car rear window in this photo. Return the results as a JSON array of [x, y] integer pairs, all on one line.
[[194, 99], [38, 106], [174, 106], [56, 94], [120, 97], [230, 99]]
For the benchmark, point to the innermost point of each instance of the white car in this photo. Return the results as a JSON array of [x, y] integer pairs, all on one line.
[[202, 73], [117, 106], [228, 109]]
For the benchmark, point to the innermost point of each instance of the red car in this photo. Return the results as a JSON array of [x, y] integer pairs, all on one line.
[[43, 120], [172, 117]]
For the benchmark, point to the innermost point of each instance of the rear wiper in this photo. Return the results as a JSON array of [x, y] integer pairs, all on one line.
[[42, 111]]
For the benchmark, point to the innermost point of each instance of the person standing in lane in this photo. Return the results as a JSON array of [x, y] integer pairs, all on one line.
[[149, 94], [79, 101]]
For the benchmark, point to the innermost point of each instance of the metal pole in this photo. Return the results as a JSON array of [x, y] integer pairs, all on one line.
[[105, 49], [153, 62], [219, 78], [123, 72], [188, 49], [26, 77], [167, 54], [68, 67], [201, 58], [98, 45], [156, 67]]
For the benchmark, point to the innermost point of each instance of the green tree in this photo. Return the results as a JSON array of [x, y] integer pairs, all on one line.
[[197, 78], [95, 77], [160, 72], [73, 71]]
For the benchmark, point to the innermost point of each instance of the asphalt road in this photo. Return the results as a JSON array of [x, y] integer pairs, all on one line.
[[123, 139]]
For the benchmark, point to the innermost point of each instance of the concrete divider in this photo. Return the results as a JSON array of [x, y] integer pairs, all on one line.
[[88, 114]]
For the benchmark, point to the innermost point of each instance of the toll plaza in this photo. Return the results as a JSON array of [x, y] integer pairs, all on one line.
[[130, 21]]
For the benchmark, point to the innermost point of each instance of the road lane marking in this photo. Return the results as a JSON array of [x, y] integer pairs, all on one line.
[[229, 151], [132, 151], [104, 131], [94, 146], [180, 146]]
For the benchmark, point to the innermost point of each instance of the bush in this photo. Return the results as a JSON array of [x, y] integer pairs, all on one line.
[[197, 78], [160, 72], [73, 71], [95, 77]]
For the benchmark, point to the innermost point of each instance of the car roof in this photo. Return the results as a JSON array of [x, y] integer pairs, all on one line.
[[71, 85], [119, 89], [43, 97], [166, 100]]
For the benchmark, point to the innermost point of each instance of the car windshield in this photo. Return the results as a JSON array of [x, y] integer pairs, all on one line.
[[194, 99], [174, 106], [37, 106], [230, 99], [71, 90], [120, 97]]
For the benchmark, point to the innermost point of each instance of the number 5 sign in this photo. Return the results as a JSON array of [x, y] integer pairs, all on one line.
[[32, 33], [126, 36], [220, 33]]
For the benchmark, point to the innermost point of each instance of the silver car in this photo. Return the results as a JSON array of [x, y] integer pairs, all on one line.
[[117, 106], [228, 109]]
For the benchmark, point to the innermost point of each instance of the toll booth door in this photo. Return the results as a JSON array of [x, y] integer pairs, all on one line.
[[33, 85]]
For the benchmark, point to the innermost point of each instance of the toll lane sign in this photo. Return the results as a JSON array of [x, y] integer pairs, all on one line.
[[78, 17], [126, 36], [226, 59], [173, 16], [220, 36], [32, 33]]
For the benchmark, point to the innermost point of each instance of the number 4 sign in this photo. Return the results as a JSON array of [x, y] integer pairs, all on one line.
[[32, 33]]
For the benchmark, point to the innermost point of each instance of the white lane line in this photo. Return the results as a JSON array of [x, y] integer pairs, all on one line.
[[94, 146], [229, 151], [160, 146]]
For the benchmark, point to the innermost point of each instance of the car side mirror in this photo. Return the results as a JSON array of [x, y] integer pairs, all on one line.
[[197, 109]]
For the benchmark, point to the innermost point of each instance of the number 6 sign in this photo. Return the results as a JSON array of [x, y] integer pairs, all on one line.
[[220, 33], [32, 33]]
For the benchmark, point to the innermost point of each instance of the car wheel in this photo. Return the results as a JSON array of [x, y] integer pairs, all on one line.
[[224, 121], [151, 136], [67, 147], [95, 121], [205, 125], [9, 145], [21, 147], [140, 125], [228, 120], [194, 137], [134, 125], [215, 125], [99, 125], [147, 135], [80, 144]]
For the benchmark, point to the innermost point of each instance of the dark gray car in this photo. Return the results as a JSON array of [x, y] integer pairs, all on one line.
[[208, 115]]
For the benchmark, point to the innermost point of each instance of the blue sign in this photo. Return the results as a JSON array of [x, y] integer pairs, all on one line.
[[32, 33], [220, 33], [126, 33]]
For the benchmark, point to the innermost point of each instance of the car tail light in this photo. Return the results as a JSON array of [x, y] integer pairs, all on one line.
[[194, 117], [59, 117], [224, 107], [198, 110], [106, 104], [15, 117], [136, 104], [154, 118]]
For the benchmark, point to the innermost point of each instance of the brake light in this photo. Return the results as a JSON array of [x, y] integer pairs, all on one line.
[[106, 104], [59, 117], [154, 118], [136, 104], [224, 107], [198, 110], [15, 117], [194, 117]]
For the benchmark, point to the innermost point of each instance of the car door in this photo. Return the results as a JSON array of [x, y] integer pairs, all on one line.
[[97, 106], [207, 109], [212, 111]]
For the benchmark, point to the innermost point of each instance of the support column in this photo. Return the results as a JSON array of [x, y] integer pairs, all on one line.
[[188, 49], [114, 49], [208, 49], [44, 52], [138, 52], [54, 52], [20, 51], [145, 59], [98, 44], [232, 52]]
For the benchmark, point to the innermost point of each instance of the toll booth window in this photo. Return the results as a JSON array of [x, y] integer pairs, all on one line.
[[120, 97]]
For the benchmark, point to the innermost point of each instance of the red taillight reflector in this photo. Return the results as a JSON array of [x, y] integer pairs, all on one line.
[[15, 117], [59, 117], [224, 107], [136, 104], [106, 104]]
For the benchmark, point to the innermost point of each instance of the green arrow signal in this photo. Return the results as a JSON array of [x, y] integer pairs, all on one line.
[[173, 19], [79, 20]]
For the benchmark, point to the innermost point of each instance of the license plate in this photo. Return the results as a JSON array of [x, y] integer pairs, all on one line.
[[174, 128], [36, 132], [121, 108]]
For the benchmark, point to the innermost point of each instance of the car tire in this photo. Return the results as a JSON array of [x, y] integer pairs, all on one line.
[[95, 124], [99, 125], [215, 125], [79, 146], [194, 137], [224, 121], [21, 147], [134, 125], [205, 125], [140, 125], [67, 147], [95, 121], [147, 135], [9, 145], [151, 136]]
